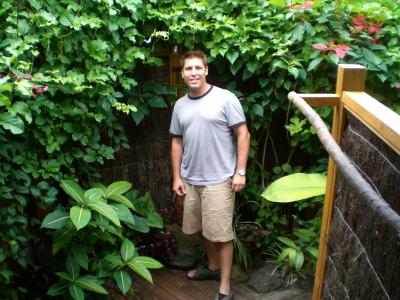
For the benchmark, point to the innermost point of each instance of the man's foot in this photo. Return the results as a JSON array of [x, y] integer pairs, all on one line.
[[221, 296], [203, 273]]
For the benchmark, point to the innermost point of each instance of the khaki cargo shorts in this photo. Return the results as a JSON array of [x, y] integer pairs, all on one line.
[[209, 208]]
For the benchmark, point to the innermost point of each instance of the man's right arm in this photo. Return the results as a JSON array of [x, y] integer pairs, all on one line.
[[176, 158]]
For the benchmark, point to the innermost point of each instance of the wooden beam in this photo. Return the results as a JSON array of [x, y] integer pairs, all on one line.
[[384, 122], [349, 78], [321, 99]]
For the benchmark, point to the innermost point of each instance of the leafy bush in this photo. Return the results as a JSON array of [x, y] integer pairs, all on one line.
[[89, 235]]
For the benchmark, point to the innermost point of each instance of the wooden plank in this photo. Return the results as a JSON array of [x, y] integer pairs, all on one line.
[[384, 122], [321, 99], [349, 78]]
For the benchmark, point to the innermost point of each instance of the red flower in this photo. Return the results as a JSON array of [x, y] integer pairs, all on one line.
[[39, 91], [33, 94], [1, 75], [398, 85], [361, 27], [358, 20], [46, 88], [340, 50], [28, 76]]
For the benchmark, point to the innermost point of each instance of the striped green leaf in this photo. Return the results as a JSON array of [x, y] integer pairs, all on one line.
[[76, 292], [105, 210], [123, 280], [121, 199], [114, 259], [80, 255], [65, 276], [140, 269], [124, 214], [118, 188], [90, 283], [80, 216], [148, 262], [94, 194], [74, 190], [56, 289], [55, 220], [127, 250], [72, 267]]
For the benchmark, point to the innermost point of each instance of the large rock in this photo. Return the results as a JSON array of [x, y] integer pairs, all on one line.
[[188, 251], [265, 280]]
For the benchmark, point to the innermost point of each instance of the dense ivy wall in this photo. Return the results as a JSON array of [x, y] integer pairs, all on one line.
[[69, 70]]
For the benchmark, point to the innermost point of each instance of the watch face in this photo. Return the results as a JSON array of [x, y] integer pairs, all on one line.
[[241, 173]]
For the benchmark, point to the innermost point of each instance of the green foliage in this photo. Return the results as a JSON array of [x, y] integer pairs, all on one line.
[[295, 187], [92, 58], [90, 235]]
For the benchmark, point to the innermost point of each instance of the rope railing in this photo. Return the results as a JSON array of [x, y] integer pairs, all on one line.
[[345, 167]]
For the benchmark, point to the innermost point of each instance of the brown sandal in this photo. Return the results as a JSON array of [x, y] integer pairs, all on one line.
[[204, 273]]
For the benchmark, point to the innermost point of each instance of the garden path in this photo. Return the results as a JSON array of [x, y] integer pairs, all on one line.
[[173, 285]]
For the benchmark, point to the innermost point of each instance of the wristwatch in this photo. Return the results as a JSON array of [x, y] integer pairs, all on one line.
[[241, 172]]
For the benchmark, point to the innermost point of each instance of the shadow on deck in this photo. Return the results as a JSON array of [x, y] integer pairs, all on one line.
[[173, 285]]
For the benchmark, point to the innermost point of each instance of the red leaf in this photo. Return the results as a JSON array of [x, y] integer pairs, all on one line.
[[307, 4], [343, 47], [320, 47], [340, 52], [373, 28], [361, 27]]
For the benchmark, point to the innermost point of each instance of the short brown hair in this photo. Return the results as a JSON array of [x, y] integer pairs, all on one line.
[[191, 54]]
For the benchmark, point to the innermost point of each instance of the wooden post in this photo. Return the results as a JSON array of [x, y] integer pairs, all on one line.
[[349, 78]]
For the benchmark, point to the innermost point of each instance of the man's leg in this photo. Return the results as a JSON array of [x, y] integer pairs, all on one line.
[[212, 256], [225, 254]]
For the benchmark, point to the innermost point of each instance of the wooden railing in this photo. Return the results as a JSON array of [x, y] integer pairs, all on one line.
[[349, 96]]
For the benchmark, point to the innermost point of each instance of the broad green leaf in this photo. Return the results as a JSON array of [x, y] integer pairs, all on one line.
[[287, 242], [313, 251], [124, 214], [4, 101], [74, 190], [123, 280], [106, 211], [154, 220], [80, 216], [139, 224], [12, 123], [232, 56], [127, 250], [114, 259], [80, 255], [55, 220], [90, 283], [121, 199], [280, 3], [76, 292], [118, 188], [93, 194], [148, 262], [140, 269], [72, 267], [6, 87], [295, 187], [258, 110], [65, 276], [56, 289], [299, 260], [314, 63]]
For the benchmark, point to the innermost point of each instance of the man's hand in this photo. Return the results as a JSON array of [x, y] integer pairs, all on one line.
[[178, 187], [238, 182]]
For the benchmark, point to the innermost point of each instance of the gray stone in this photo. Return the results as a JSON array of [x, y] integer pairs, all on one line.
[[188, 249], [265, 280]]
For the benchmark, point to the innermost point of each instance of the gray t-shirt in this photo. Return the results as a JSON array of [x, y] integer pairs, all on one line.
[[206, 126]]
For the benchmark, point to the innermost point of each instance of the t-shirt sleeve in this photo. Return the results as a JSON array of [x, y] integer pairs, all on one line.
[[175, 128], [234, 112]]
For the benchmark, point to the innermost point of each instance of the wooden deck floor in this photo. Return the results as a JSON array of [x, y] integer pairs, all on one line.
[[173, 285]]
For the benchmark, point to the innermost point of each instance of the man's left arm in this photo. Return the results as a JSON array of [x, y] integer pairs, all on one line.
[[243, 145]]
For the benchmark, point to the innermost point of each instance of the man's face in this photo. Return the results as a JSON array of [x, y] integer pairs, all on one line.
[[194, 73]]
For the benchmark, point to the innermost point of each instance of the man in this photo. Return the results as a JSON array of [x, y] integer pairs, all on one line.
[[209, 165]]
